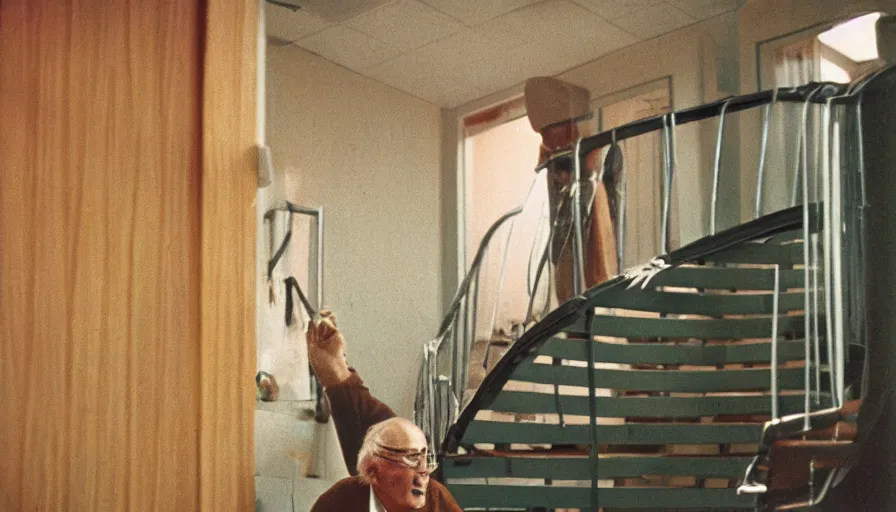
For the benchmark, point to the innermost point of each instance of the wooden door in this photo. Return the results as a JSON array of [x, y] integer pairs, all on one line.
[[126, 240]]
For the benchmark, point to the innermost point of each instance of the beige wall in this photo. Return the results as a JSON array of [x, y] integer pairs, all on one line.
[[502, 159], [761, 20], [369, 154]]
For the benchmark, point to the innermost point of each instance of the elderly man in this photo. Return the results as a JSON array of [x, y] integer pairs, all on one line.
[[388, 456]]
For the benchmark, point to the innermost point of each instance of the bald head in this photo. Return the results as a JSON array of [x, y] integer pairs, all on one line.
[[402, 433], [396, 433]]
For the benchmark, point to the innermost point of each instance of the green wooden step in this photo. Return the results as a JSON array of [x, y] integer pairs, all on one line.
[[715, 278], [759, 253], [657, 353], [481, 431], [726, 328], [698, 304], [509, 496], [687, 381], [579, 468], [643, 407]]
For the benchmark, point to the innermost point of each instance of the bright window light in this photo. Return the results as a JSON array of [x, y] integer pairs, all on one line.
[[831, 72], [855, 38]]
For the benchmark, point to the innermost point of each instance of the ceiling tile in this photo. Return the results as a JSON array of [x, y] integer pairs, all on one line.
[[405, 24], [285, 24], [475, 12], [464, 48], [426, 73], [337, 11], [703, 9], [417, 46], [612, 9], [423, 78], [575, 30], [476, 62], [656, 20], [348, 47]]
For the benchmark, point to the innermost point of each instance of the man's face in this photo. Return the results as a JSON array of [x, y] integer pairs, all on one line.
[[396, 485]]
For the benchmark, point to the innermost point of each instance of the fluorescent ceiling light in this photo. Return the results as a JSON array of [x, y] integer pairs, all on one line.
[[856, 38]]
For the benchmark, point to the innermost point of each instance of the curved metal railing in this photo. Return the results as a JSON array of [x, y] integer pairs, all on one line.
[[832, 194]]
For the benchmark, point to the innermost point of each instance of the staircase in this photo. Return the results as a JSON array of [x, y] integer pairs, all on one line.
[[681, 389], [716, 377]]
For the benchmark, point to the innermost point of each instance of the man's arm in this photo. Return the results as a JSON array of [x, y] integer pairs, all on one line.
[[353, 408]]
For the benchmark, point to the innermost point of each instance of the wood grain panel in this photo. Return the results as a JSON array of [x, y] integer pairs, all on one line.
[[109, 202], [228, 256]]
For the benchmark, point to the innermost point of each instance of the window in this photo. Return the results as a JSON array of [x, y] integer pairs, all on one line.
[[643, 163], [839, 53]]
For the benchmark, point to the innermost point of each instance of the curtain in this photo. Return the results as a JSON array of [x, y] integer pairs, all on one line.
[[643, 172]]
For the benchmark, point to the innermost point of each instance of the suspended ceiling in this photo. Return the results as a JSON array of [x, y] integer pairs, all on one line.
[[449, 52]]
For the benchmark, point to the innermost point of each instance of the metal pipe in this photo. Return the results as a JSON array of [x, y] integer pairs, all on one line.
[[808, 92], [763, 149], [670, 179], [470, 337], [620, 213], [813, 500], [866, 374], [667, 162], [837, 270], [455, 348], [477, 261], [538, 271], [320, 257], [715, 170], [806, 277], [829, 227], [578, 249], [501, 278], [814, 257], [774, 361], [430, 395]]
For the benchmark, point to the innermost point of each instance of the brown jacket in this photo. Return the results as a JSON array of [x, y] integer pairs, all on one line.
[[352, 495], [354, 410]]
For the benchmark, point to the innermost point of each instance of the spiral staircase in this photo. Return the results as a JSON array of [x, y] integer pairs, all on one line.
[[728, 374]]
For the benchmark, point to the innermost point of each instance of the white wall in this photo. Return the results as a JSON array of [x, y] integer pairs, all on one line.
[[368, 154]]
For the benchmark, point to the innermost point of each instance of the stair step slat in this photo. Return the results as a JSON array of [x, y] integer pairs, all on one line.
[[655, 353], [724, 329], [480, 431], [579, 468], [510, 496], [698, 304], [644, 407], [759, 253], [684, 381], [715, 278]]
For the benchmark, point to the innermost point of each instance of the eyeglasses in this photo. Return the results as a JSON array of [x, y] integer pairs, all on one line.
[[417, 460]]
